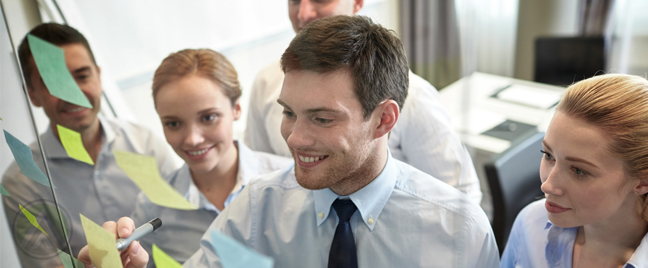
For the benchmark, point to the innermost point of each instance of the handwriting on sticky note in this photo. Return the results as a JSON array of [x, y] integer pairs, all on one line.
[[235, 255], [25, 160], [101, 244], [67, 260], [3, 191], [73, 144], [32, 219], [50, 61], [143, 170], [163, 260]]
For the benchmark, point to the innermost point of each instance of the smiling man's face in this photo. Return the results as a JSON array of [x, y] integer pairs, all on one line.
[[324, 128], [87, 76]]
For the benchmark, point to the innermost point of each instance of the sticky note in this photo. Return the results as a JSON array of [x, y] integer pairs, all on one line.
[[163, 260], [3, 191], [143, 170], [32, 219], [235, 255], [101, 244], [25, 160], [67, 260], [50, 61], [73, 144], [1, 119]]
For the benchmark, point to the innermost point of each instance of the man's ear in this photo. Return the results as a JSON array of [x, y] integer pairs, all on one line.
[[357, 5], [34, 97], [642, 187], [387, 114], [237, 109]]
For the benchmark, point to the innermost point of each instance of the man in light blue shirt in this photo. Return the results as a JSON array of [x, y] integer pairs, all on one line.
[[346, 202]]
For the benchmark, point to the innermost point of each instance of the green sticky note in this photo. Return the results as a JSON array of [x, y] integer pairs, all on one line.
[[32, 219], [67, 260], [73, 144], [25, 160], [143, 170], [3, 191], [163, 260], [101, 244], [1, 119], [50, 61], [233, 254]]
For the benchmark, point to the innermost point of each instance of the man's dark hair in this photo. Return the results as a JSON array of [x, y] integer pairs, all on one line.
[[374, 56], [57, 34]]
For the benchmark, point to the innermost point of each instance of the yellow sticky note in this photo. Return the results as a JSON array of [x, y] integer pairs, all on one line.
[[1, 119], [143, 170], [163, 260], [101, 244], [73, 145], [32, 219]]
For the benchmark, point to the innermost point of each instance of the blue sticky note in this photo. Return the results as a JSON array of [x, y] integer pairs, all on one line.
[[50, 61], [23, 155], [235, 255]]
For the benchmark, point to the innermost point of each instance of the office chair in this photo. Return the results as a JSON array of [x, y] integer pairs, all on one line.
[[514, 180]]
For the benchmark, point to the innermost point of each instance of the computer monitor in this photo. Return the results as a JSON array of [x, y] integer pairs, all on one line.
[[563, 61]]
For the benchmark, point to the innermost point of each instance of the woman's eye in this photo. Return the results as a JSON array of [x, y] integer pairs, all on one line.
[[547, 156], [209, 117], [172, 124], [579, 171]]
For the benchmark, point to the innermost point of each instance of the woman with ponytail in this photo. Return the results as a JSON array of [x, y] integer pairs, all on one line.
[[594, 175]]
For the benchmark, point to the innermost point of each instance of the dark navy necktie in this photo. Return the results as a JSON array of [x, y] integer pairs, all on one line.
[[343, 249]]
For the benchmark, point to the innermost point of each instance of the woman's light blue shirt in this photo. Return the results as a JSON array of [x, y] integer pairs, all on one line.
[[181, 230], [536, 242]]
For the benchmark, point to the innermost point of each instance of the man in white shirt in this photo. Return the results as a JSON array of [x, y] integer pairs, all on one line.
[[346, 202], [101, 191], [423, 136]]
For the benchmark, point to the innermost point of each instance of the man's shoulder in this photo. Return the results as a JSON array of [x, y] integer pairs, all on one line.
[[130, 129], [435, 195], [283, 179]]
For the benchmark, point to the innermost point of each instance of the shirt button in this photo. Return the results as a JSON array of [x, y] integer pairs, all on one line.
[[370, 221], [320, 215]]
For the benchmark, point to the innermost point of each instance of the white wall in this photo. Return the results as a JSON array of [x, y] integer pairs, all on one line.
[[14, 112]]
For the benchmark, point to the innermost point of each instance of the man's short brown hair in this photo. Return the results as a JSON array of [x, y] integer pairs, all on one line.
[[57, 34], [374, 56]]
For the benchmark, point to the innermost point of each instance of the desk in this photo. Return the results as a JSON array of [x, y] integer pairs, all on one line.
[[476, 103]]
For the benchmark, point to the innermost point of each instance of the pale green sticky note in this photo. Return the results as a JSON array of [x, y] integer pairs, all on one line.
[[143, 170], [233, 254], [101, 244], [50, 61], [67, 260], [3, 191], [163, 260], [32, 219], [73, 144]]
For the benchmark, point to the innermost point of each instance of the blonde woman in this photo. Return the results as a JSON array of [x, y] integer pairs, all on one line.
[[196, 94], [594, 175]]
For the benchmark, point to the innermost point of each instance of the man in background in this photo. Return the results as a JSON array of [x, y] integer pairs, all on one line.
[[101, 191], [423, 137]]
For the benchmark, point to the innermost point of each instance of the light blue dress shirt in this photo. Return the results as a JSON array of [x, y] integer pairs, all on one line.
[[535, 242], [181, 230], [102, 192], [405, 218]]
